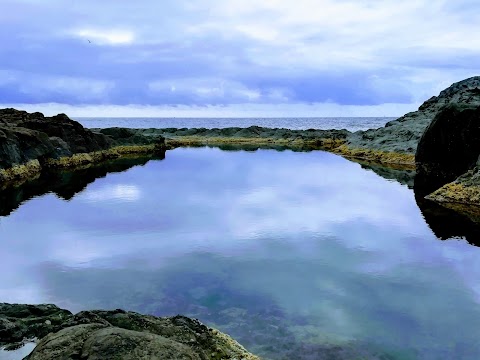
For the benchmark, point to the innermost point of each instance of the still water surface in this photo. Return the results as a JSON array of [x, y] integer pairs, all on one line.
[[296, 255]]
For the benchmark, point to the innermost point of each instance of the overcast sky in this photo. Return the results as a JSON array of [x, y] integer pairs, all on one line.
[[234, 57]]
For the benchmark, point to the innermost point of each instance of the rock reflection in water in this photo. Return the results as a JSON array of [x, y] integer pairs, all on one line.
[[446, 223], [296, 255], [66, 184]]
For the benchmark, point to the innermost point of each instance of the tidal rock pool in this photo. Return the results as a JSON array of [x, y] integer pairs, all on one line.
[[299, 255]]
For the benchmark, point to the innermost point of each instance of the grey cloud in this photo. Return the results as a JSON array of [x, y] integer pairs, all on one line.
[[181, 43]]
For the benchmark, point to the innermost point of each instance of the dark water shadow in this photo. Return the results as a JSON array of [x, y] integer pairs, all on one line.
[[445, 223], [66, 184], [404, 177]]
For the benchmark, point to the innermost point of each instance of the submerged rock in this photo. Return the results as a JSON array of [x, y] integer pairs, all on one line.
[[115, 334]]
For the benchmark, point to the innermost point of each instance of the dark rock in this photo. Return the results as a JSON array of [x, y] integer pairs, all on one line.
[[19, 145], [125, 137], [115, 334], [19, 322], [118, 133], [65, 344], [449, 147], [25, 137], [12, 117], [60, 146], [79, 139], [94, 341]]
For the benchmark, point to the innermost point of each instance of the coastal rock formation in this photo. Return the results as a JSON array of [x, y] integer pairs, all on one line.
[[450, 145], [253, 136], [30, 142], [60, 135], [403, 135], [465, 190], [19, 321], [115, 334], [449, 151], [20, 145]]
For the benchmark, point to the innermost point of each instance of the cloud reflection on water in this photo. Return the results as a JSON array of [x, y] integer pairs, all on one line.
[[339, 248]]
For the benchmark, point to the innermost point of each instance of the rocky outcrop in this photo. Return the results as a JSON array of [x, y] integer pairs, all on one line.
[[113, 334], [59, 136], [450, 145], [465, 190], [19, 322], [30, 142], [448, 154], [403, 135], [20, 145]]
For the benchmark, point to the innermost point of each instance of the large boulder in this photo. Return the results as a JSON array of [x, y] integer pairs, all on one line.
[[449, 147], [97, 341], [115, 334]]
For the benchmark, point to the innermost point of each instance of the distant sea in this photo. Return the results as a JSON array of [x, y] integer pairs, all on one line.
[[349, 123]]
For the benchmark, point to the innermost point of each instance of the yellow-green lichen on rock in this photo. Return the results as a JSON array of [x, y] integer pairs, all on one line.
[[294, 143], [77, 160], [404, 160], [456, 193], [20, 172]]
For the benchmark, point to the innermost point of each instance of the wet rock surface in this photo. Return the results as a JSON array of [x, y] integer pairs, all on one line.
[[115, 334]]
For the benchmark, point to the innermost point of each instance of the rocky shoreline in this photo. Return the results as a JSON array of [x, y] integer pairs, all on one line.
[[335, 141], [33, 143], [112, 334], [438, 146]]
